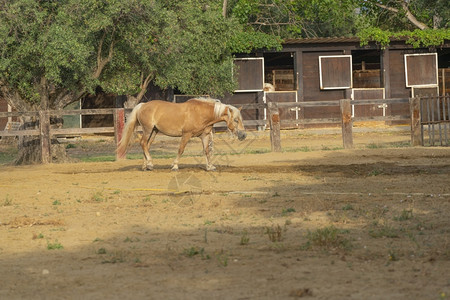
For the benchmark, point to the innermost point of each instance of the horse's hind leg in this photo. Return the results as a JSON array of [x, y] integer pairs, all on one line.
[[146, 140], [207, 141], [184, 139]]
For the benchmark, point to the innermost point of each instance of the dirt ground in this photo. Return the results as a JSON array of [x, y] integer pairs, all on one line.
[[312, 222]]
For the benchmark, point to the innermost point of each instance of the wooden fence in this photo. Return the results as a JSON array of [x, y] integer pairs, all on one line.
[[45, 132], [435, 120], [346, 119]]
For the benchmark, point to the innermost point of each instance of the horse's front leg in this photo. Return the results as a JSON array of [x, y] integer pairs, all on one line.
[[184, 140], [207, 141]]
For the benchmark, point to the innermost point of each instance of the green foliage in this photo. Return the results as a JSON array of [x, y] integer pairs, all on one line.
[[391, 15], [72, 47], [297, 18], [417, 38], [425, 38], [246, 41], [382, 37]]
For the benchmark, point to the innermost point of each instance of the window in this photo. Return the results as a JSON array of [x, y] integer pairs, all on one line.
[[421, 70], [250, 74], [335, 72]]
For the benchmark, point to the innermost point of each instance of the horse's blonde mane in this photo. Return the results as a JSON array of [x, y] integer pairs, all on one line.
[[219, 107]]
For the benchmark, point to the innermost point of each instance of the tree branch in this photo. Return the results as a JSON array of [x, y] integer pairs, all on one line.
[[144, 86], [409, 15], [412, 18], [224, 8], [43, 87], [393, 9], [13, 98], [132, 101], [102, 62]]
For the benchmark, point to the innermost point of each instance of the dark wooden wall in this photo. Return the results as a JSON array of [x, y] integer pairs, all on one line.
[[309, 87], [285, 113], [397, 82], [3, 108], [367, 110]]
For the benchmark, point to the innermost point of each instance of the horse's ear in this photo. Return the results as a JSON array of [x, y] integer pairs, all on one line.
[[240, 108]]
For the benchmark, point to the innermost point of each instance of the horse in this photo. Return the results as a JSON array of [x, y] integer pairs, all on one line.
[[193, 118]]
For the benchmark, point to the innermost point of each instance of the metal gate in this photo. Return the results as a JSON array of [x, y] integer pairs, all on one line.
[[435, 120]]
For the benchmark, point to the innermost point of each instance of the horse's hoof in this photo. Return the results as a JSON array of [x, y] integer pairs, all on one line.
[[211, 169], [174, 169], [147, 168]]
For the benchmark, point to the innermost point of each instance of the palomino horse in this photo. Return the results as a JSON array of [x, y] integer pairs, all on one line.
[[193, 118]]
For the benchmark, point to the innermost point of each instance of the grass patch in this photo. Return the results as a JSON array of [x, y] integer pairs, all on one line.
[[301, 149], [194, 251], [326, 148], [98, 197], [222, 258], [54, 246], [384, 231], [8, 154], [116, 257], [38, 236], [405, 215], [275, 233], [244, 239], [375, 172], [101, 251], [71, 146], [327, 238], [374, 146], [8, 201], [287, 211], [348, 207]]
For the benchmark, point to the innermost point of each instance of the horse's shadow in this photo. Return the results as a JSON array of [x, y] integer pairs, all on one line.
[[166, 167]]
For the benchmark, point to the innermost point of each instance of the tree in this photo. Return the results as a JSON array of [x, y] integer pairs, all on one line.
[[397, 15], [297, 18], [54, 52], [423, 23]]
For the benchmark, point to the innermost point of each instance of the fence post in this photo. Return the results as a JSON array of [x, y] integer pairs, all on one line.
[[347, 123], [274, 123], [119, 124], [416, 130], [44, 136]]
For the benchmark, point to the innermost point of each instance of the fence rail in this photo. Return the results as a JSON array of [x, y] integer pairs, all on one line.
[[273, 121]]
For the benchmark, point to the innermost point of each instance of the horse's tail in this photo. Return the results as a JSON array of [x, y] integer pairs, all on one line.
[[128, 131]]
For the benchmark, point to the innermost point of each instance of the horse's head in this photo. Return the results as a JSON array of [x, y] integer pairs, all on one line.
[[234, 122]]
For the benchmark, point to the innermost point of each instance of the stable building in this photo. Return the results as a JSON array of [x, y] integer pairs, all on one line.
[[326, 69]]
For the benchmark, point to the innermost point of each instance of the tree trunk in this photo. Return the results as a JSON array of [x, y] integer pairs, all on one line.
[[132, 101], [30, 146]]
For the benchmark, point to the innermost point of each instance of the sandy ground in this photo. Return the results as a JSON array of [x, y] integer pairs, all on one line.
[[310, 222]]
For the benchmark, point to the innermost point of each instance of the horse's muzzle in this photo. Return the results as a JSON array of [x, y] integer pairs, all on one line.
[[241, 135]]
